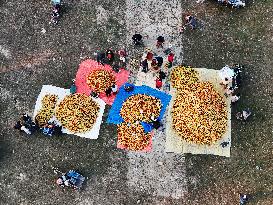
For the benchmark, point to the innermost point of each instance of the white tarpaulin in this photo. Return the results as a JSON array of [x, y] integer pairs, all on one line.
[[61, 93]]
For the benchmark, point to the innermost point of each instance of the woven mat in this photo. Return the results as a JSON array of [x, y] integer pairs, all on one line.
[[176, 144], [61, 93]]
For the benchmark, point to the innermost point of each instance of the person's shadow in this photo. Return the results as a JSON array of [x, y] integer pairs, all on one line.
[[5, 152]]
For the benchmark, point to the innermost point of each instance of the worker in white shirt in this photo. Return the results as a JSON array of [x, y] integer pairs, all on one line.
[[21, 127], [243, 115], [114, 89], [235, 98]]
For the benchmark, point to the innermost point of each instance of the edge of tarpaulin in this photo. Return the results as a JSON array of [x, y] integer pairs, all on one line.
[[114, 116]]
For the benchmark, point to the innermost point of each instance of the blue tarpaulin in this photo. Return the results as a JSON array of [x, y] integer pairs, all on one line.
[[114, 114]]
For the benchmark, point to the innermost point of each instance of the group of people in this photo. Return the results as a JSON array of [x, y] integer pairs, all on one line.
[[116, 59], [27, 125], [138, 40], [154, 62], [231, 81], [111, 90], [70, 178]]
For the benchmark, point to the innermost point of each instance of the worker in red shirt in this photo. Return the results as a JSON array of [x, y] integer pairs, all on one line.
[[170, 59], [158, 83]]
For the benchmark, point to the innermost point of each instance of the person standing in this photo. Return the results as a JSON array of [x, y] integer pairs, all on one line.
[[144, 65], [154, 65], [159, 60], [243, 199], [155, 122], [110, 56], [108, 91], [162, 75], [21, 127], [158, 83], [170, 59], [191, 21], [243, 115], [160, 41], [73, 87], [137, 39], [235, 98], [114, 89]]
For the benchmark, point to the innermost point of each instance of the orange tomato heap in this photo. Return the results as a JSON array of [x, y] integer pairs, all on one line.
[[140, 108], [100, 80], [77, 112], [133, 136], [47, 111], [199, 114]]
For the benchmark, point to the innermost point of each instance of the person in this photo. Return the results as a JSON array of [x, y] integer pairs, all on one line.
[[110, 55], [236, 80], [190, 20], [58, 130], [159, 60], [235, 98], [48, 129], [224, 144], [137, 39], [160, 41], [243, 115], [73, 87], [114, 89], [162, 75], [155, 122], [94, 94], [233, 3], [128, 88], [28, 123], [149, 56], [55, 13], [63, 180], [26, 118], [122, 55], [170, 59], [21, 127], [154, 64], [168, 50], [144, 65], [158, 83], [229, 91], [108, 91], [243, 199]]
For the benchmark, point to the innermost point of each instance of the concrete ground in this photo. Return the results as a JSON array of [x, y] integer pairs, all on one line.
[[33, 53]]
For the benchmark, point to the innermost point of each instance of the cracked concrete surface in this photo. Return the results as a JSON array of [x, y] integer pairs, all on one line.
[[158, 173]]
